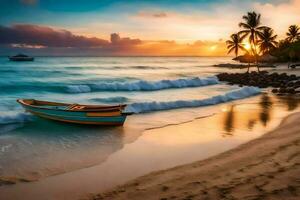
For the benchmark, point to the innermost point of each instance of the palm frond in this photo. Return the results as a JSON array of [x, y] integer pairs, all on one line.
[[230, 50], [244, 25]]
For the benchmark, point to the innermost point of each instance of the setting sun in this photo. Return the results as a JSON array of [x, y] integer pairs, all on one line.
[[212, 48], [247, 46]]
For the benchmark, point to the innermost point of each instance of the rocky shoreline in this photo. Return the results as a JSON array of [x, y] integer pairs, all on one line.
[[243, 66], [282, 83]]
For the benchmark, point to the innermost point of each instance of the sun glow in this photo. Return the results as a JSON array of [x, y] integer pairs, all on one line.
[[247, 46], [212, 48]]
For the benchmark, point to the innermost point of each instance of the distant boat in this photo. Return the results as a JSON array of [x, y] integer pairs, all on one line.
[[76, 113], [21, 57]]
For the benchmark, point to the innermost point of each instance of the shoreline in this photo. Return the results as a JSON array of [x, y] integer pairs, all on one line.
[[164, 148], [264, 168]]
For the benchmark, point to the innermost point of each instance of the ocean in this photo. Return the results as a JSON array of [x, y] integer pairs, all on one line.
[[159, 90]]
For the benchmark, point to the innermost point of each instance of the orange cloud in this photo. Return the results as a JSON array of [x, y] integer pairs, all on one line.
[[172, 48], [65, 42]]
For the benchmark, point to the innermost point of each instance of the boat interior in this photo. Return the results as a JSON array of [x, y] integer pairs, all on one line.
[[70, 107]]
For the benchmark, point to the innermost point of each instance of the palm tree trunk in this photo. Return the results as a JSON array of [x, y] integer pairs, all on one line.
[[254, 53], [255, 57], [256, 63]]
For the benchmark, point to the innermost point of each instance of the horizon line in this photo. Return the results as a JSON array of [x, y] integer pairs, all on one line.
[[116, 56]]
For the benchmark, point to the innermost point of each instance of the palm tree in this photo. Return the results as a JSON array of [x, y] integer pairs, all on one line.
[[267, 40], [235, 44], [252, 29], [293, 34]]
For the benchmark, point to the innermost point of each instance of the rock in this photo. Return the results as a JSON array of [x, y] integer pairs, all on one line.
[[291, 91], [293, 76], [283, 74], [252, 83], [286, 83], [282, 90], [290, 84]]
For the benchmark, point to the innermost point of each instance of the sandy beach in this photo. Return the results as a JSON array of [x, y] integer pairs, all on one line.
[[142, 100], [264, 168]]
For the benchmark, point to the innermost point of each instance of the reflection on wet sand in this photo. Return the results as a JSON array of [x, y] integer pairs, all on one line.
[[229, 121], [36, 151], [292, 102], [248, 115], [266, 109], [166, 147]]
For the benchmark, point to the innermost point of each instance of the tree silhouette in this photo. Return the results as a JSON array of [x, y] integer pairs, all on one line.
[[293, 33], [267, 40], [253, 29], [235, 44]]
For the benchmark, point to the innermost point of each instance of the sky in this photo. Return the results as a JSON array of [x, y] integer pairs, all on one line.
[[132, 27]]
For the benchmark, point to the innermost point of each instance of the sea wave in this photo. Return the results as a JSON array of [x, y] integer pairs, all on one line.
[[11, 121], [12, 118], [147, 67], [117, 99], [143, 85], [156, 106]]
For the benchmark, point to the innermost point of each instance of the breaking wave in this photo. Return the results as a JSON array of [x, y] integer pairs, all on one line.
[[117, 99], [229, 96], [10, 121], [143, 85], [12, 118]]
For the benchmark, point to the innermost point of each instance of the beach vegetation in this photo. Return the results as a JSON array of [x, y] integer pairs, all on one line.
[[260, 43], [235, 44], [293, 33]]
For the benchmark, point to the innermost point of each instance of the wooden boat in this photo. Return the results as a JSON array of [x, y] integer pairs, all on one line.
[[21, 57], [76, 113]]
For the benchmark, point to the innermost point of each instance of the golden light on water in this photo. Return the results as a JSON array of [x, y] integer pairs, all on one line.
[[224, 109]]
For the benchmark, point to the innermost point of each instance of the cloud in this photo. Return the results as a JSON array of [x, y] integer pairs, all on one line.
[[41, 40], [31, 36], [116, 40], [219, 20], [149, 14], [188, 25], [173, 48], [281, 15], [27, 46], [46, 36]]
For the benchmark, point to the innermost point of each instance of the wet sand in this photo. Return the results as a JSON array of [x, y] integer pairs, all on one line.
[[164, 147], [264, 168]]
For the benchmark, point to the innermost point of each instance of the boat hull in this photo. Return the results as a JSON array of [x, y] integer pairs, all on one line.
[[110, 118]]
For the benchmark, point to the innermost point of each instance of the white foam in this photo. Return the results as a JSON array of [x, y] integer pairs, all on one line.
[[78, 88], [117, 99], [12, 118], [229, 96], [144, 85]]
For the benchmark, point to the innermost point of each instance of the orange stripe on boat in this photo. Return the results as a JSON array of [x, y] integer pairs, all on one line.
[[104, 114], [75, 121]]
